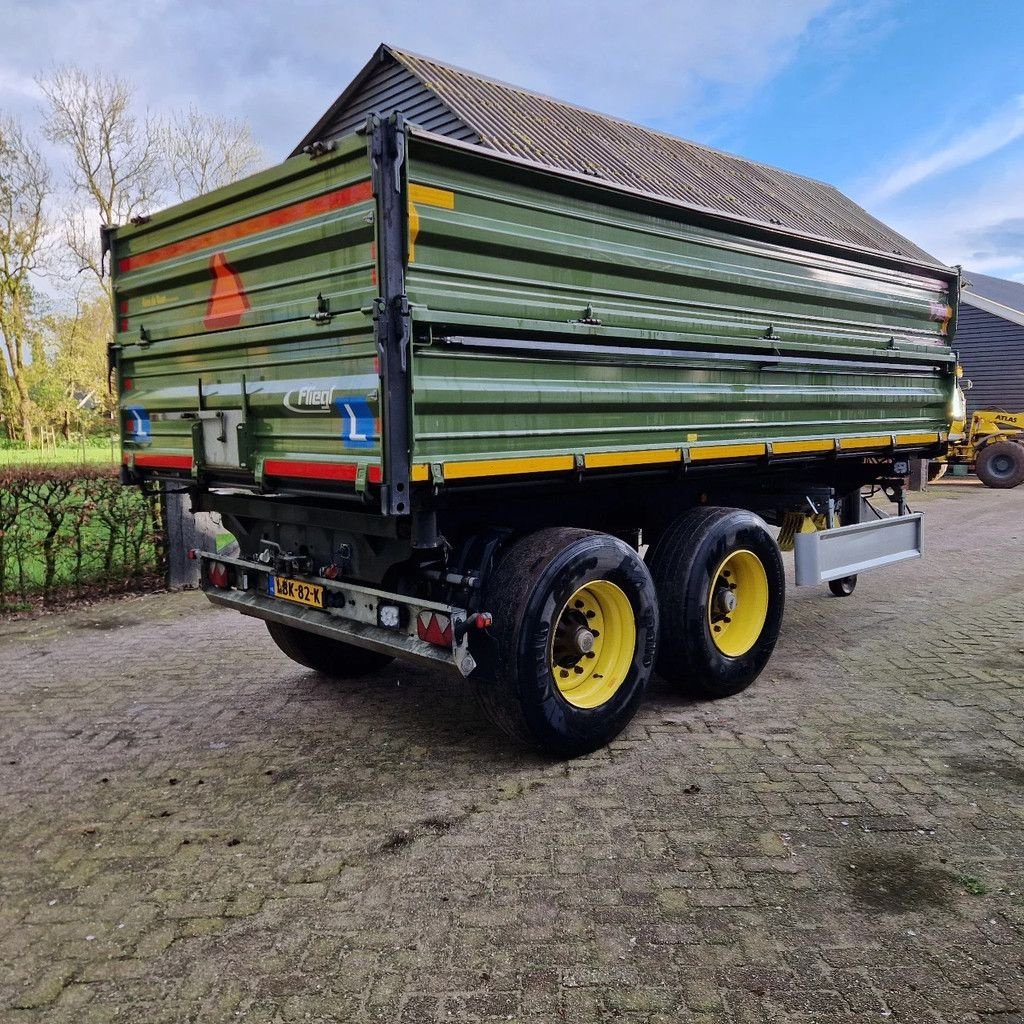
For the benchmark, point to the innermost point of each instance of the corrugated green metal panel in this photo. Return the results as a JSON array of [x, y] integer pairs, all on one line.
[[474, 404], [290, 234], [300, 239], [517, 249], [512, 257], [297, 378], [521, 254]]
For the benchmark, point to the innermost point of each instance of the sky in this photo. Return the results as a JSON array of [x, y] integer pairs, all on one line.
[[913, 108]]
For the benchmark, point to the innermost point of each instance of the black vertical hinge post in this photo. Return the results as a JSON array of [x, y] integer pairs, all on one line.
[[106, 245], [391, 311]]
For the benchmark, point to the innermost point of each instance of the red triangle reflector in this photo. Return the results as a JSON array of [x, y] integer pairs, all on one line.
[[434, 629], [228, 300]]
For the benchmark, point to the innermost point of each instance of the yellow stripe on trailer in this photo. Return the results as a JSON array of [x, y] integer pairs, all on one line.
[[824, 444], [929, 438], [469, 469], [727, 451], [504, 467], [879, 441], [602, 460], [427, 195]]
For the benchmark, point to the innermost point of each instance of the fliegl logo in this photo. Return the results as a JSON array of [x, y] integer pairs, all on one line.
[[309, 399]]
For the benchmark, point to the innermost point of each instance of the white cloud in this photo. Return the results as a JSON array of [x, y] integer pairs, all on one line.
[[968, 147], [977, 223], [13, 84], [279, 66]]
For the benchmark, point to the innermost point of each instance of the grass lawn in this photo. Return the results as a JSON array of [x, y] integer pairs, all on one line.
[[92, 454]]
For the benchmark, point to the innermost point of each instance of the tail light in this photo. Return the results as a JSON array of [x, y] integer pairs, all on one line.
[[218, 575], [434, 628]]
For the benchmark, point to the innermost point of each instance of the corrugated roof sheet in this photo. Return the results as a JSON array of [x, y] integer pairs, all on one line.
[[997, 289], [521, 123]]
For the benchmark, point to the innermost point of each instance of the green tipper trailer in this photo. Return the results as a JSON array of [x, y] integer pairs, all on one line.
[[444, 398]]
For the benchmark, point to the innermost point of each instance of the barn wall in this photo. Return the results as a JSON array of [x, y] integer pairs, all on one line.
[[992, 354]]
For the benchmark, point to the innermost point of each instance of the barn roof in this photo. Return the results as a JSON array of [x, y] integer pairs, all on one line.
[[504, 118], [995, 295]]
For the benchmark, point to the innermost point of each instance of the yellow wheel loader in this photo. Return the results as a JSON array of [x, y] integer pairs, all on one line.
[[993, 445]]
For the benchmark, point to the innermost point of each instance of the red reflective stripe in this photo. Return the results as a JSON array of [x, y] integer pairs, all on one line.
[[320, 470], [312, 470], [161, 461], [337, 200], [272, 467]]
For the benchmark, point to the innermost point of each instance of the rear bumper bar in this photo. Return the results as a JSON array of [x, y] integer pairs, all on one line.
[[353, 614]]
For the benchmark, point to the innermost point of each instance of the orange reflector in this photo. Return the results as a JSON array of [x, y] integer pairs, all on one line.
[[228, 300]]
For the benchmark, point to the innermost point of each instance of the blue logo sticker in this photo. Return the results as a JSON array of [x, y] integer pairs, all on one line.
[[136, 425], [358, 424]]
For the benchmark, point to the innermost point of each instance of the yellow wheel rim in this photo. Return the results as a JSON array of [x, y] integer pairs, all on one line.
[[738, 603], [592, 644]]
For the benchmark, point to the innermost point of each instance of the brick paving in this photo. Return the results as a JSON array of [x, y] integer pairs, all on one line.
[[195, 829]]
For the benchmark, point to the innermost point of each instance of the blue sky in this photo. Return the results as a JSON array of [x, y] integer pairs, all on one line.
[[914, 108]]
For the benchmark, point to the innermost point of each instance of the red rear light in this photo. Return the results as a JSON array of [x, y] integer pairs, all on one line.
[[434, 628], [126, 384], [218, 575]]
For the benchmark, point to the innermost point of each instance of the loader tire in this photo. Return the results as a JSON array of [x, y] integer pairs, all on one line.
[[333, 658], [711, 644], [573, 640], [1001, 465]]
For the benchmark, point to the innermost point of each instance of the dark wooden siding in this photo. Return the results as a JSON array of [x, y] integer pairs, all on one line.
[[391, 87], [992, 355]]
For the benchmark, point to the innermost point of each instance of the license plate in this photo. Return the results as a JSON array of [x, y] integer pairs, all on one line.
[[296, 591]]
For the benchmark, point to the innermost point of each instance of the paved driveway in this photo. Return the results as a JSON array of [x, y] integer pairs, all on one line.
[[194, 829]]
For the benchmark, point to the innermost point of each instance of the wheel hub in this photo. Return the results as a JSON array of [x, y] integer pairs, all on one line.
[[592, 644], [738, 603], [583, 640], [725, 600]]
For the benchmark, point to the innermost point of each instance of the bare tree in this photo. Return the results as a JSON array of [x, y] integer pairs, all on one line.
[[25, 186], [117, 169], [205, 151]]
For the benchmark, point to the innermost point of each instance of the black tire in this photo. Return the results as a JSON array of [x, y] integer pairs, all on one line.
[[843, 587], [687, 564], [1001, 465], [333, 658], [532, 593]]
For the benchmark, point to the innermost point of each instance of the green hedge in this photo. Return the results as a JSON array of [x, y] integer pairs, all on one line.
[[70, 530]]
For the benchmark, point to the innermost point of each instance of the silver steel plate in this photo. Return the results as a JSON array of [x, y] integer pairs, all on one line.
[[858, 548]]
